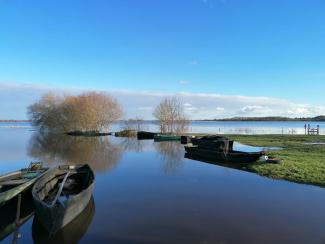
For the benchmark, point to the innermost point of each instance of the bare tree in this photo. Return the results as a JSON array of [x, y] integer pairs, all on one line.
[[171, 116], [88, 111]]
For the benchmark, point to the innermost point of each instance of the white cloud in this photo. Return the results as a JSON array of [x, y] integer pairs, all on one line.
[[14, 99], [183, 82], [220, 109], [251, 108]]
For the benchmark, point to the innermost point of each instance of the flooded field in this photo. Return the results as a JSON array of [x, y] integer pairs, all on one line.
[[148, 192], [221, 127]]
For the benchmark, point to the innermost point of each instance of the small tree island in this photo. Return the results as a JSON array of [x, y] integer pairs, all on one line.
[[88, 112], [171, 116]]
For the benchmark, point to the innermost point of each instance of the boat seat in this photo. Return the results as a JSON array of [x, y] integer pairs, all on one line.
[[13, 182]]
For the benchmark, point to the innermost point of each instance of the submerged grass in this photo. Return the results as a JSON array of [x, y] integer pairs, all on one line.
[[302, 163]]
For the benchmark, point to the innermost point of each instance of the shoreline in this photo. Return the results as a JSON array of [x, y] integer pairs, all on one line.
[[302, 162], [14, 121]]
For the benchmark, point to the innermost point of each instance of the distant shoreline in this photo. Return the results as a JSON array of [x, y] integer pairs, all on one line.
[[14, 120], [270, 119], [234, 119]]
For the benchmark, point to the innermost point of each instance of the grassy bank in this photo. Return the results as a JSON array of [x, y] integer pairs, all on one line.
[[301, 163]]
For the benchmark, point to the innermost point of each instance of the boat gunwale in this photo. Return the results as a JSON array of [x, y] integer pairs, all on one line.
[[35, 192], [13, 192]]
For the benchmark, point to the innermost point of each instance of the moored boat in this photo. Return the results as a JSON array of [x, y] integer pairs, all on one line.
[[62, 194], [160, 137], [19, 181], [187, 139], [145, 135], [213, 143], [224, 157]]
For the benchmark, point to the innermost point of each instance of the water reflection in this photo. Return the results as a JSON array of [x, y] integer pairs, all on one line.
[[131, 144], [8, 212], [99, 152], [171, 153], [71, 233], [211, 161]]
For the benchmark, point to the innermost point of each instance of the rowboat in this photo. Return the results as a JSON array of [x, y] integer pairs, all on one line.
[[145, 135], [224, 157], [62, 194], [158, 138], [19, 181], [187, 139], [213, 143], [71, 233]]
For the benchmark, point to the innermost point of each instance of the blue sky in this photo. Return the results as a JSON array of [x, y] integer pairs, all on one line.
[[227, 48]]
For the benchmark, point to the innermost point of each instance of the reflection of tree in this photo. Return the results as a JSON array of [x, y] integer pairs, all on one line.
[[172, 154], [131, 144], [98, 152]]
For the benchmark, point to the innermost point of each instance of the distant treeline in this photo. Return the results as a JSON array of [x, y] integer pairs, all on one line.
[[271, 118], [14, 120]]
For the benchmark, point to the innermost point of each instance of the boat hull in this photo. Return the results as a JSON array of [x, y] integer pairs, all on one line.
[[220, 156], [14, 191], [60, 214], [213, 143], [71, 233], [158, 138], [145, 135]]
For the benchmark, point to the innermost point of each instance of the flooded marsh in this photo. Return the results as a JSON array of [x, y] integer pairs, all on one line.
[[148, 192]]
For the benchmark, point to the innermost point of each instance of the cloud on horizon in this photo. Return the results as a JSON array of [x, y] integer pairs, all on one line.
[[15, 98]]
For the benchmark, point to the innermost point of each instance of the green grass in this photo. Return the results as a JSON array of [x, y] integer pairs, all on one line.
[[301, 163]]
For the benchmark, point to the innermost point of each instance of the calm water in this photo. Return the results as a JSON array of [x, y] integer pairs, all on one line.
[[221, 127], [148, 192]]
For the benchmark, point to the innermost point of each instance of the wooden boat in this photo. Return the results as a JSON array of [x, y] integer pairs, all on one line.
[[71, 233], [213, 143], [15, 213], [14, 183], [62, 194], [158, 138], [145, 135], [222, 157], [187, 139]]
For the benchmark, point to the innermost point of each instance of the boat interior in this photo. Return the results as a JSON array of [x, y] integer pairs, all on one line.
[[14, 179], [64, 184]]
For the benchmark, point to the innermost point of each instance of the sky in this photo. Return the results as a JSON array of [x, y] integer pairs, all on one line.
[[222, 58]]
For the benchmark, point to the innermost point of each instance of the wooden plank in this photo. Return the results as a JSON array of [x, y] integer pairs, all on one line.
[[14, 182], [60, 189]]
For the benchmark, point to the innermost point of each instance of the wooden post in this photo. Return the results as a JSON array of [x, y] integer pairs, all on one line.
[[18, 209], [17, 222]]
